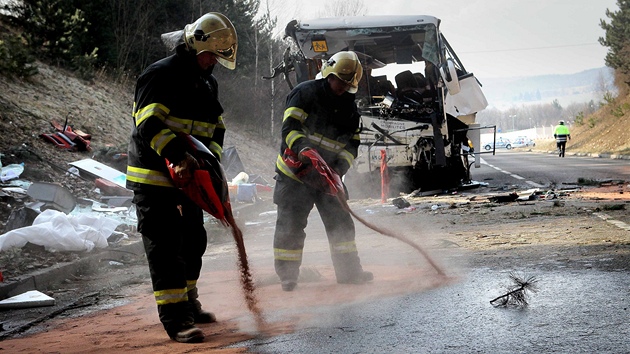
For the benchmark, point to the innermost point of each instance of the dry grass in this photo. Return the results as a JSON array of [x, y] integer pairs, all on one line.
[[606, 131]]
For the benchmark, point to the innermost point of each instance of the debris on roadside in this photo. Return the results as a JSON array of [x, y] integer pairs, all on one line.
[[51, 196], [504, 198], [11, 171], [57, 231], [516, 293], [65, 137], [400, 203], [32, 298], [243, 189], [114, 156], [95, 169]]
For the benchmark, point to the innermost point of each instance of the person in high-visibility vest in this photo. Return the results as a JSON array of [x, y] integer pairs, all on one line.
[[561, 133]]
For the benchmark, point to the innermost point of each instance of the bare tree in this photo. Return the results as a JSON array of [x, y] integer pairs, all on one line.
[[334, 8], [131, 20]]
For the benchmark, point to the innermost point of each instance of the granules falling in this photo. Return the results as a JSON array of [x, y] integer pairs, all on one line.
[[247, 282]]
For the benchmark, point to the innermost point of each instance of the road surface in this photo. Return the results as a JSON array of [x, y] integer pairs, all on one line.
[[579, 256]]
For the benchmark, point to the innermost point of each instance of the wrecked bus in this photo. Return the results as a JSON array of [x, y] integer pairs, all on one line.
[[423, 120]]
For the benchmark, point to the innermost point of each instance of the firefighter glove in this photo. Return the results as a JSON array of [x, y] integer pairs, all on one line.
[[304, 159], [186, 167]]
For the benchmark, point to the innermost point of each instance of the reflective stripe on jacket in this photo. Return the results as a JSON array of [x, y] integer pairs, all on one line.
[[315, 117], [172, 96]]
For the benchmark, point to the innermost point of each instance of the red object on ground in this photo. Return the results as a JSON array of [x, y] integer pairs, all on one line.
[[81, 139], [384, 177], [111, 188], [58, 141], [263, 188], [1, 277]]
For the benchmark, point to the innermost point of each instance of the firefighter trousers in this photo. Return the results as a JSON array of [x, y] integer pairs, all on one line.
[[174, 241], [294, 202]]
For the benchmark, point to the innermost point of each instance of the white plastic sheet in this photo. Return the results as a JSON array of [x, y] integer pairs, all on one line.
[[57, 231]]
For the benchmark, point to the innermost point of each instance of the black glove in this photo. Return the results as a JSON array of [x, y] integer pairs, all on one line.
[[186, 167], [304, 159]]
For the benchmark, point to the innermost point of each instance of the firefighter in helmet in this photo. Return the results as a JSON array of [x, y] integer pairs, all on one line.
[[177, 94], [320, 114]]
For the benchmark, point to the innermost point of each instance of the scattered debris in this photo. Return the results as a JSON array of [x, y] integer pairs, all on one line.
[[401, 203], [51, 196], [20, 217], [11, 171], [66, 137], [31, 298], [614, 207], [110, 188], [517, 293], [504, 198], [57, 231], [96, 169]]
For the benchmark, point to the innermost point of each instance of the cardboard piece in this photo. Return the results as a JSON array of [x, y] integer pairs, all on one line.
[[31, 298]]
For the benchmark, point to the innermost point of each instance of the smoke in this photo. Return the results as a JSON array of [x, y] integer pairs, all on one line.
[[172, 39]]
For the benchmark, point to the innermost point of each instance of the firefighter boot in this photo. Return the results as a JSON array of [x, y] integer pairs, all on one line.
[[348, 269], [288, 272], [187, 334], [288, 285], [199, 314], [360, 278]]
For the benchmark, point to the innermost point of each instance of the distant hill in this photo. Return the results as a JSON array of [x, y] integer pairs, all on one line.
[[573, 88]]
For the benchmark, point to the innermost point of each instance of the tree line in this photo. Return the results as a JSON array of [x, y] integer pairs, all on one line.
[[122, 37]]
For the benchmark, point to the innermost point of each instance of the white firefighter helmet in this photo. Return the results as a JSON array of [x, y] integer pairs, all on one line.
[[214, 33], [346, 66]]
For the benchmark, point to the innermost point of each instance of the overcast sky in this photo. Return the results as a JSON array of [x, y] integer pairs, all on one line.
[[498, 38]]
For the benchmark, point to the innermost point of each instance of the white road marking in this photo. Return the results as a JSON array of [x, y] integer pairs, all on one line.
[[607, 218], [533, 184]]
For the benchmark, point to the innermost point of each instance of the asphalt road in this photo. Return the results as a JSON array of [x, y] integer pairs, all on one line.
[[582, 304], [578, 308], [527, 169], [576, 311]]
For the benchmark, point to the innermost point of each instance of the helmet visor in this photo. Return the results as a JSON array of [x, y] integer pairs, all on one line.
[[220, 42], [351, 79]]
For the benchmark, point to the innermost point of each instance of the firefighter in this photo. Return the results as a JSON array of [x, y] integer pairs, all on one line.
[[561, 134], [320, 114], [177, 94]]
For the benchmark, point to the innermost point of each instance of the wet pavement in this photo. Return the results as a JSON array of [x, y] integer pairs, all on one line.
[[574, 310], [582, 305]]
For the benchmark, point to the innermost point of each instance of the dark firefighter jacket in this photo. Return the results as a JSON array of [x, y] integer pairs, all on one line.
[[172, 96], [315, 117]]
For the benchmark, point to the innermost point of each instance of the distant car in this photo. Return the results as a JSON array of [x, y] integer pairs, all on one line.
[[523, 141], [500, 143]]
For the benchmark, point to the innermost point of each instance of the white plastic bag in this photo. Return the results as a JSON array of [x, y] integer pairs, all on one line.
[[57, 231], [11, 171]]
